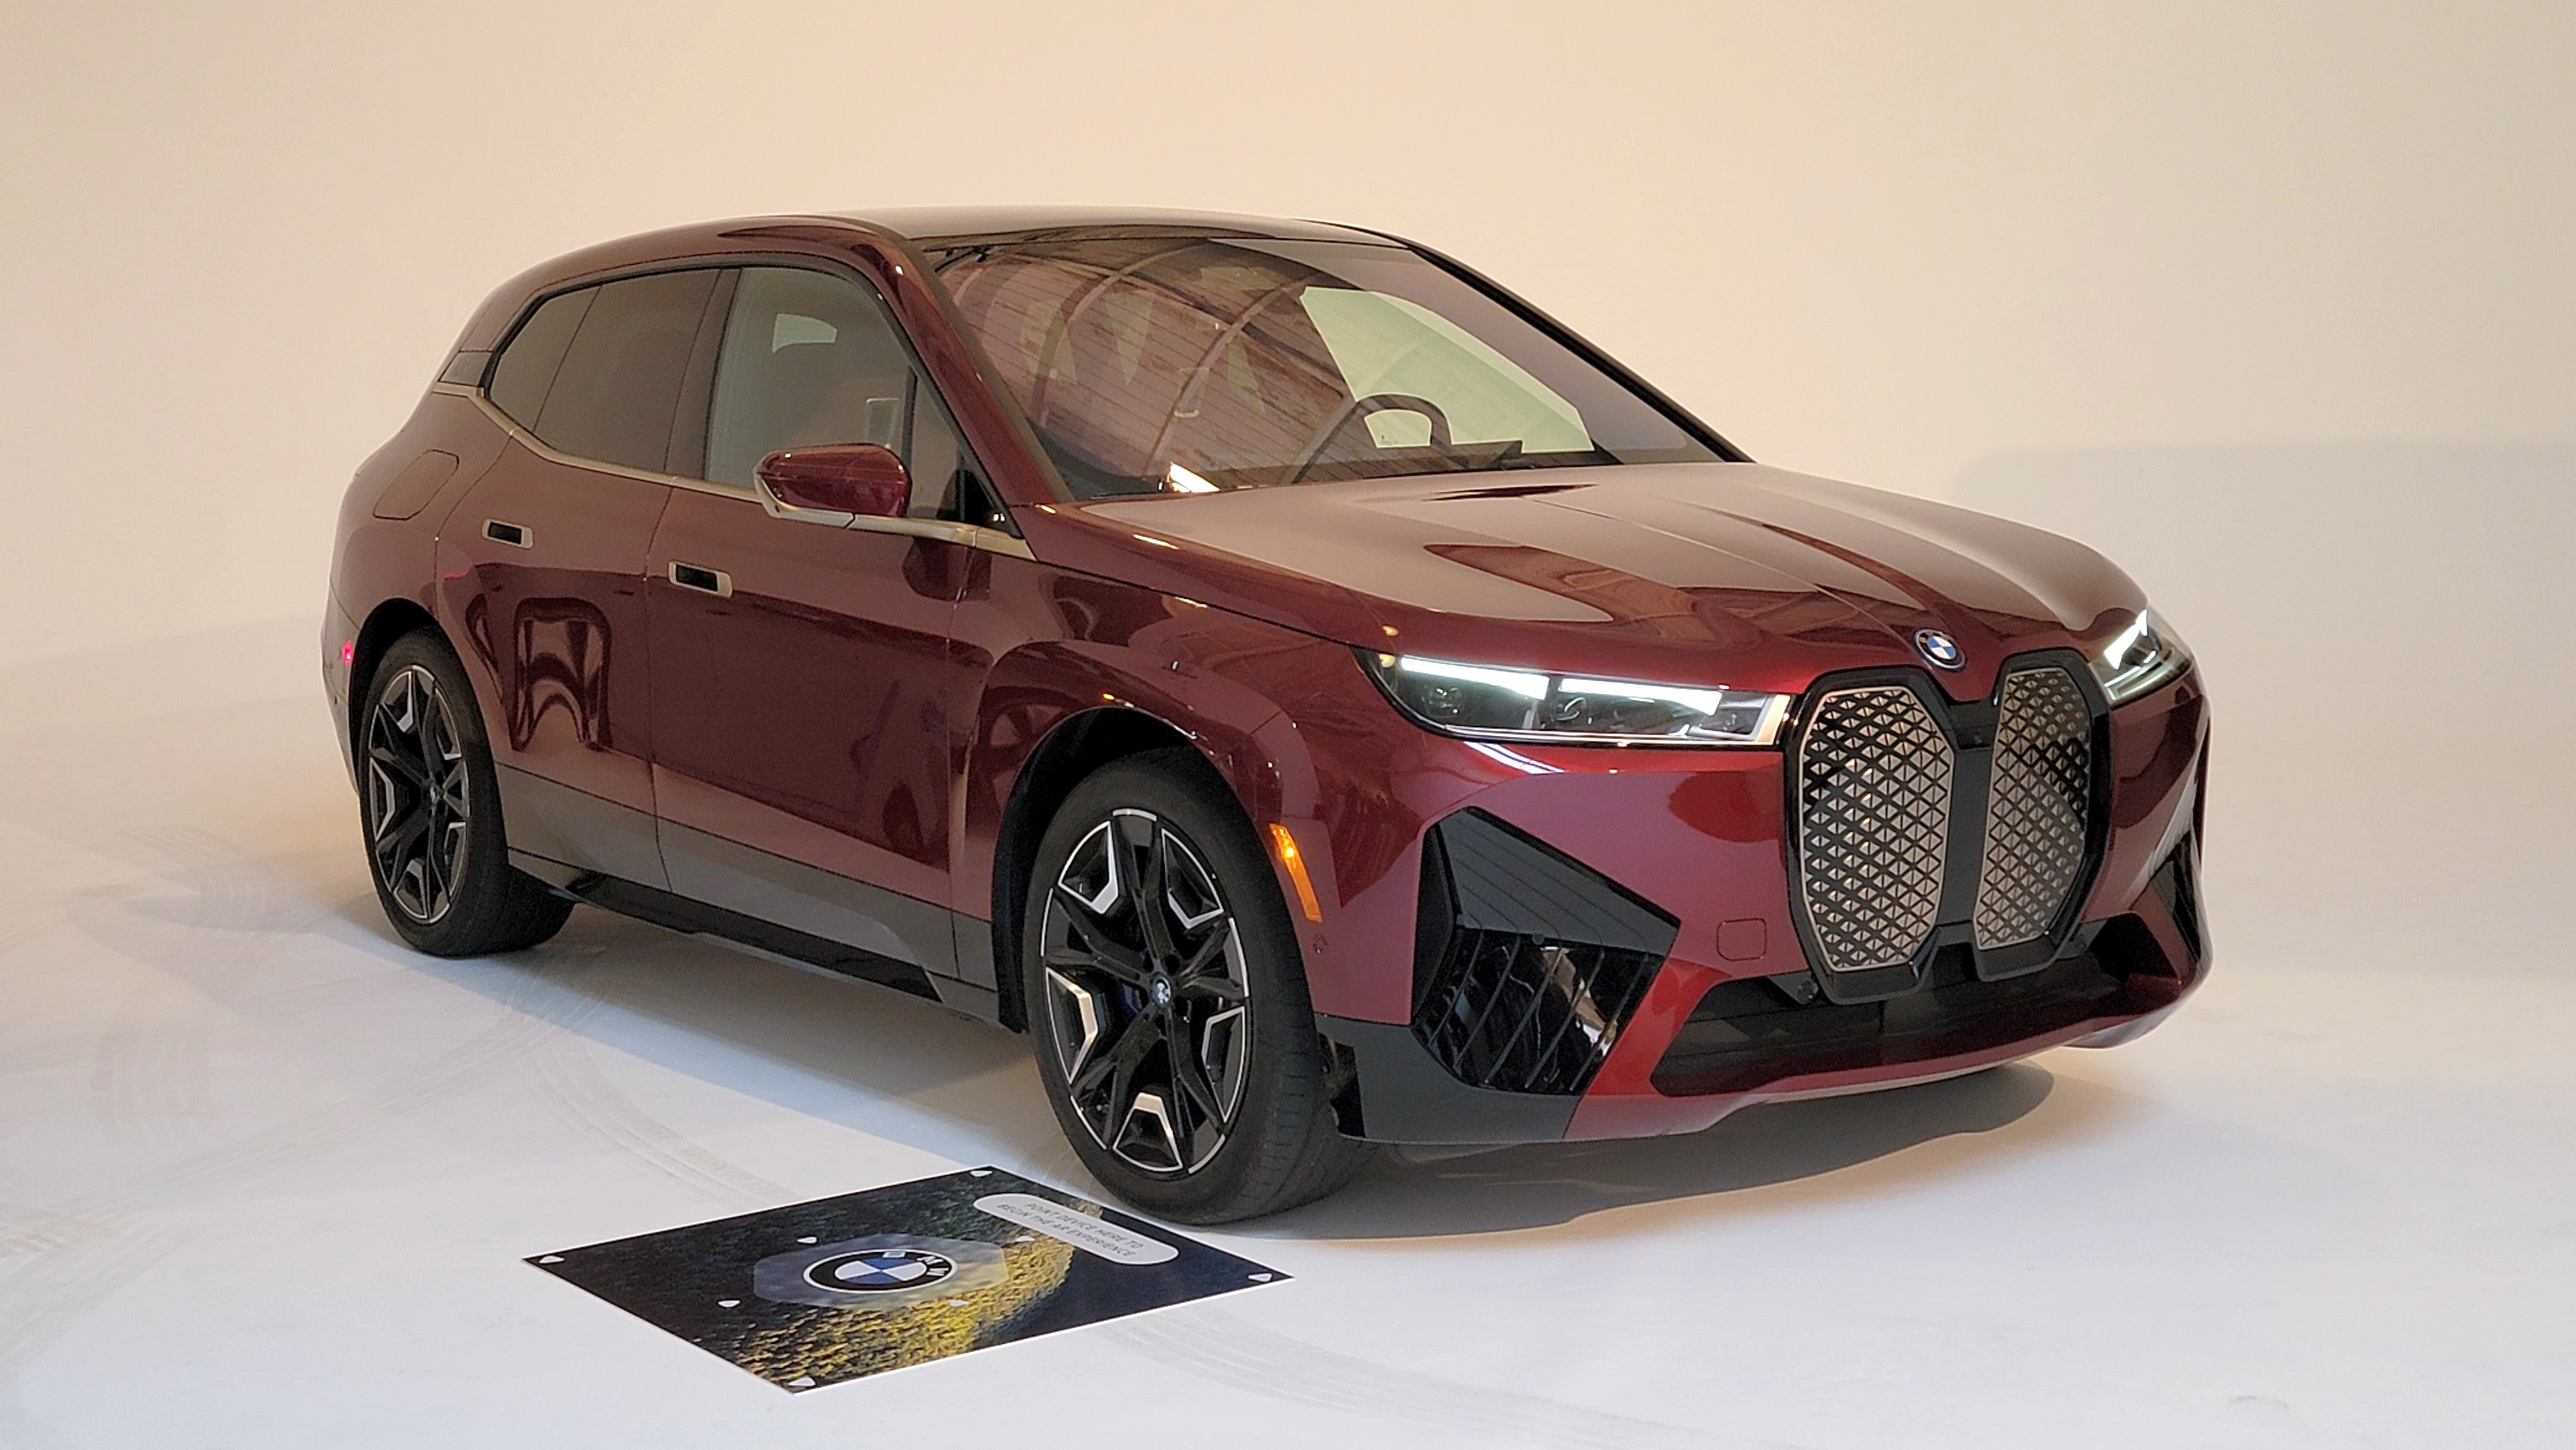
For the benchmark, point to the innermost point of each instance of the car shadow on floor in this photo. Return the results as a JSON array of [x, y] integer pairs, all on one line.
[[1862, 1145], [806, 1041], [910, 1072]]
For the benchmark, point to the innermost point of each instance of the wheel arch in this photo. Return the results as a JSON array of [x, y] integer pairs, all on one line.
[[387, 622], [1077, 747]]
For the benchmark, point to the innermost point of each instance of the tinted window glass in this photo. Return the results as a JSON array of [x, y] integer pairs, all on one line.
[[810, 358], [945, 483], [527, 367], [614, 397], [1186, 365]]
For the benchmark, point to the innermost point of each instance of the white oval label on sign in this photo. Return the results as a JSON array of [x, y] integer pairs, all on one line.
[[1081, 1230]]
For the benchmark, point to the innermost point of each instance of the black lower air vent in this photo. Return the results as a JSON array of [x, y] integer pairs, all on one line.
[[2178, 884], [1747, 1033], [1526, 962]]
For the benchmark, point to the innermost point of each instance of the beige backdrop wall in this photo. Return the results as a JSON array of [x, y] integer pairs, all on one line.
[[2274, 302]]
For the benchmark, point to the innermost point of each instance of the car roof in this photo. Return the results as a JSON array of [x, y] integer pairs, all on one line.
[[930, 227], [935, 226]]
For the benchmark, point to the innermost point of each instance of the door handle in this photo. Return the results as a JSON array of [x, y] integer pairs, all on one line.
[[517, 536], [706, 581]]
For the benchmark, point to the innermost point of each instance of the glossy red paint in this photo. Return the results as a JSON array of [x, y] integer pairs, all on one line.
[[1730, 574], [880, 706], [854, 478], [2159, 760], [541, 588], [803, 712]]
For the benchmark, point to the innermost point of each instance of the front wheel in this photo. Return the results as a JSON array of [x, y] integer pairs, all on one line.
[[1168, 1003], [430, 805]]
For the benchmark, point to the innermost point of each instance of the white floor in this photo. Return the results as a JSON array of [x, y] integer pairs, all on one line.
[[266, 1177]]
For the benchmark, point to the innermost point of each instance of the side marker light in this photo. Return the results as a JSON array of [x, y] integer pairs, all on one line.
[[1296, 865]]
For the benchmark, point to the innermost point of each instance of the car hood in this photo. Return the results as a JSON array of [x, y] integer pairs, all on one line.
[[1715, 573]]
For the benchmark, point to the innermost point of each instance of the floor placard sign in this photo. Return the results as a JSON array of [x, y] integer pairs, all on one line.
[[810, 1294]]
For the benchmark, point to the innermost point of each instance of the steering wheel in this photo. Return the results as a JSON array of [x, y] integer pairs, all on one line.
[[1358, 408]]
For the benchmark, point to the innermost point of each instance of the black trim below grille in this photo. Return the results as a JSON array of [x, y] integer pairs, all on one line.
[[1748, 1033], [1526, 961]]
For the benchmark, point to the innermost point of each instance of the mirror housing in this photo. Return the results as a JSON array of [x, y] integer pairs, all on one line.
[[835, 483]]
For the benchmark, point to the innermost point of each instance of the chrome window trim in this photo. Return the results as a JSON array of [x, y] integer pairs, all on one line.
[[973, 536]]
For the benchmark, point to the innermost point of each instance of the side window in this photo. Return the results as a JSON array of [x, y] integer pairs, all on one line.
[[527, 366], [614, 397], [811, 358]]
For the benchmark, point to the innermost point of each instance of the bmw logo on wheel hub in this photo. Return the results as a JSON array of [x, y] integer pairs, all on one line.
[[1939, 650]]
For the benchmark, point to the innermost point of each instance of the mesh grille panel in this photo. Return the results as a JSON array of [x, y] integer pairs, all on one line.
[[1527, 962], [2037, 809], [1527, 1015], [1874, 779]]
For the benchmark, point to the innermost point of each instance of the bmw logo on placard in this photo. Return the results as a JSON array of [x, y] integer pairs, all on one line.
[[880, 1271], [875, 1271], [1939, 650]]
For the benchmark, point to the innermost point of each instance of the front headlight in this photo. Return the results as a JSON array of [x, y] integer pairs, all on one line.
[[1485, 703], [2143, 657]]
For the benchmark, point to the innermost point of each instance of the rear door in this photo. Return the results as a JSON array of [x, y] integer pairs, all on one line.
[[802, 755], [542, 563]]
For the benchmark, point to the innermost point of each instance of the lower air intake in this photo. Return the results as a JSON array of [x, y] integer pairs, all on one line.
[[1526, 962]]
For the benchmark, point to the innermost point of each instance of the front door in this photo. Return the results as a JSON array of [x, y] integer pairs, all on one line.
[[801, 751]]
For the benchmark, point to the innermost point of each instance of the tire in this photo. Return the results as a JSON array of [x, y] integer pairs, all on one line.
[[429, 812], [1240, 1123]]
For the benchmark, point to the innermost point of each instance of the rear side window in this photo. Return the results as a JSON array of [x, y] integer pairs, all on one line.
[[614, 397], [528, 364]]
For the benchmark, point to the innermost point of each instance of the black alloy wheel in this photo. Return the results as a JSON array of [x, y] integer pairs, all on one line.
[[1168, 1001], [417, 808], [1145, 992], [430, 806]]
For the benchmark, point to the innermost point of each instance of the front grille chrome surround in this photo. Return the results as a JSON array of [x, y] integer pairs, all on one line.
[[2039, 807], [1875, 777], [1917, 823]]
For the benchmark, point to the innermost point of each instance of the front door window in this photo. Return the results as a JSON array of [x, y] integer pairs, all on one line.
[[810, 358]]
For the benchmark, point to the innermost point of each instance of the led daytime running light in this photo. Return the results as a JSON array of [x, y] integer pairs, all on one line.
[[1490, 702]]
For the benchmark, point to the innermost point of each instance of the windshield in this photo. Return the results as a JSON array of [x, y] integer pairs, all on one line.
[[1194, 364]]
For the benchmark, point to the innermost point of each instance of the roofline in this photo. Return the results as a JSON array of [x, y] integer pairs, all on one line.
[[951, 225]]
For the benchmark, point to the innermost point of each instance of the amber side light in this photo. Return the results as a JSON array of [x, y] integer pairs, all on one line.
[[1296, 865]]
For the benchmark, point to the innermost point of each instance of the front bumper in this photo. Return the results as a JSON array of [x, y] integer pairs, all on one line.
[[1726, 1011]]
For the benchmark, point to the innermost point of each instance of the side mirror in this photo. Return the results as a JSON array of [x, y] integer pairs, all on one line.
[[835, 483]]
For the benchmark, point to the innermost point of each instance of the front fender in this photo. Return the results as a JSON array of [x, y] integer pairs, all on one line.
[[1043, 650]]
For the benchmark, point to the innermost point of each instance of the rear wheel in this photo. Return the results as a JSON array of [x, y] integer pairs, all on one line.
[[1168, 1002], [430, 805]]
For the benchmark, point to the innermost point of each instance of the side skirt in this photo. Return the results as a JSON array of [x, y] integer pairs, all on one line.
[[697, 918]]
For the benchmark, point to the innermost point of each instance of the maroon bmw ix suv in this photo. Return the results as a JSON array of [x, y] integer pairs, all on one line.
[[1317, 697]]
